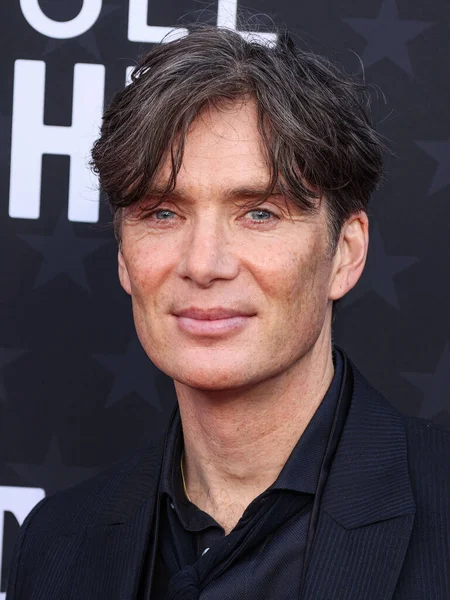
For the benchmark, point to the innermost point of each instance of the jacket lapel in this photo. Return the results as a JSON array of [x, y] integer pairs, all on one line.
[[367, 511]]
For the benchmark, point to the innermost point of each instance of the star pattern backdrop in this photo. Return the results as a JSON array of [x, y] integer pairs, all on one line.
[[77, 391]]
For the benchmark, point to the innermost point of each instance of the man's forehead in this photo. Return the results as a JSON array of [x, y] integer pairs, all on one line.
[[220, 119], [225, 178]]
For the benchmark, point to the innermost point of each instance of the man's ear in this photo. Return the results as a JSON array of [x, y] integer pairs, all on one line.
[[123, 273], [350, 256]]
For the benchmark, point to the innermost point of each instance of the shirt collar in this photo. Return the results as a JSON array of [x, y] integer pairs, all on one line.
[[301, 471]]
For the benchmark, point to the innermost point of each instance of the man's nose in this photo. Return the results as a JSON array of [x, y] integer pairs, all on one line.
[[208, 253]]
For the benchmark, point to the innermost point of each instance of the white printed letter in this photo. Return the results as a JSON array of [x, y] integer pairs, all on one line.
[[31, 139], [19, 501], [139, 31], [87, 16]]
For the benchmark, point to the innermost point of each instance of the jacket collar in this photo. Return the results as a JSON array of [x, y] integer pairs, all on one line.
[[369, 479], [367, 511]]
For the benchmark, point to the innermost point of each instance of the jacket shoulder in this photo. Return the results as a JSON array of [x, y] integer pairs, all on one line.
[[428, 445], [428, 454], [72, 510]]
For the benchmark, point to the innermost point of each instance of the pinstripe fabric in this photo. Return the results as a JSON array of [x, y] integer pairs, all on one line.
[[383, 531], [89, 541], [359, 564], [429, 550]]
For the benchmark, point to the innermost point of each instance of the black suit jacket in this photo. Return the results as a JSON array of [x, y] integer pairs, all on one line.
[[383, 531]]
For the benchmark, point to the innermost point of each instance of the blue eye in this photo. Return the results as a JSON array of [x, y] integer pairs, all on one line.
[[163, 214], [261, 215]]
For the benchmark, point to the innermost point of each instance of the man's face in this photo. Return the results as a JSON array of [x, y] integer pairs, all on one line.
[[267, 271]]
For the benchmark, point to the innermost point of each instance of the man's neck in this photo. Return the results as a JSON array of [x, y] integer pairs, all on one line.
[[237, 442]]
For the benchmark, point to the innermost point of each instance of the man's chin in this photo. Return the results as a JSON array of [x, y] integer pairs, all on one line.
[[212, 381]]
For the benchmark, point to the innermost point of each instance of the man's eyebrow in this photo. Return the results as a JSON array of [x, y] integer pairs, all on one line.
[[233, 193], [253, 192]]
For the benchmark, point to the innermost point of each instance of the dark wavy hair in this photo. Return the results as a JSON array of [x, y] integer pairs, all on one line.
[[312, 117]]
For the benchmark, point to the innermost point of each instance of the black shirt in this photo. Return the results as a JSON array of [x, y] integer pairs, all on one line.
[[273, 569]]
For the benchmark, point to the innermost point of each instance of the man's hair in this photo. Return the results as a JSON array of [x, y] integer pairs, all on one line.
[[312, 117]]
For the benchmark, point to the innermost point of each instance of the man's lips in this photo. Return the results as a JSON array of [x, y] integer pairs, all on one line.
[[212, 321], [211, 314]]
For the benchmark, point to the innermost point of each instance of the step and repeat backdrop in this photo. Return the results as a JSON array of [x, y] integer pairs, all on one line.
[[77, 391]]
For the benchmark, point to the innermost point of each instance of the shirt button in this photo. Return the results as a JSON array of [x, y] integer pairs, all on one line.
[[172, 505], [205, 551]]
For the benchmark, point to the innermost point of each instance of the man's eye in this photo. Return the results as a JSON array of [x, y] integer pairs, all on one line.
[[261, 215], [163, 214]]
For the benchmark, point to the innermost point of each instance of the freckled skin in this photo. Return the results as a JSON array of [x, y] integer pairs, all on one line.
[[212, 255]]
